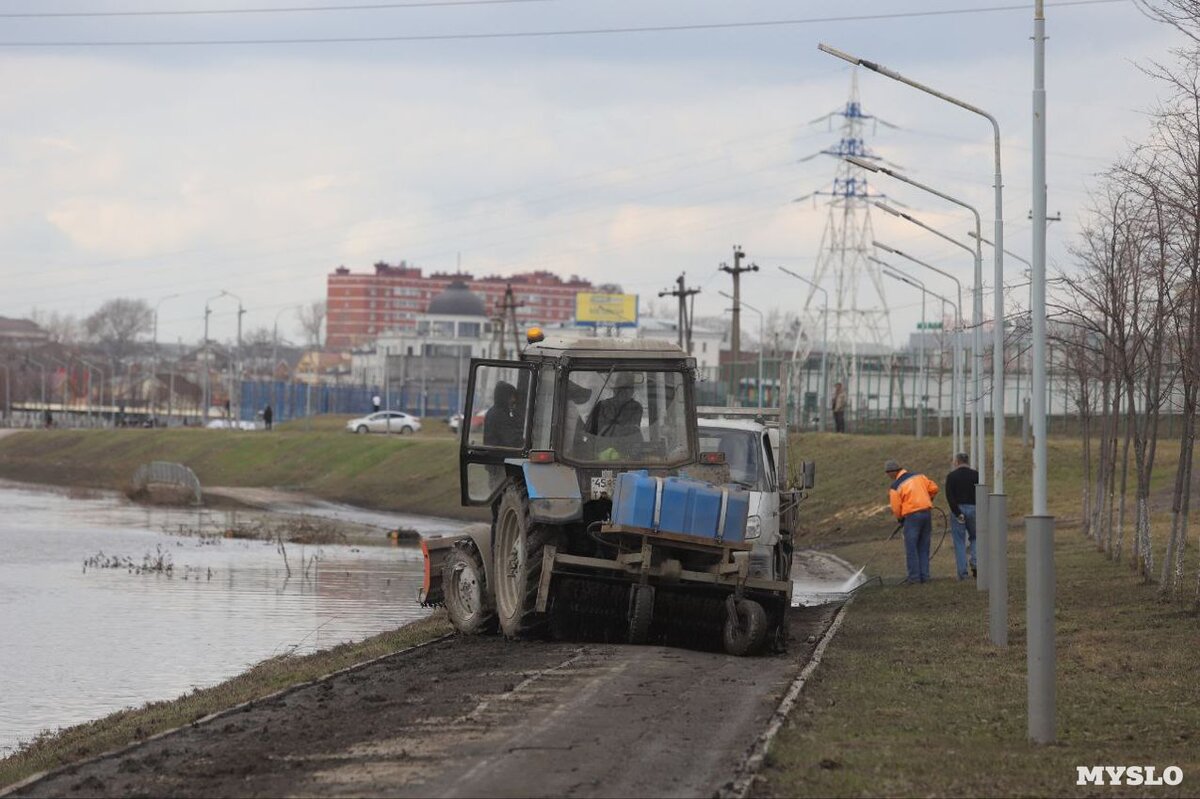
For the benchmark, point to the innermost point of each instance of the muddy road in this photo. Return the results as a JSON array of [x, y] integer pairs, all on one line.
[[477, 716]]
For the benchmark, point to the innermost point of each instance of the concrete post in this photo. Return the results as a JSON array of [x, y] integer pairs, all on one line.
[[1039, 623], [998, 579], [982, 536]]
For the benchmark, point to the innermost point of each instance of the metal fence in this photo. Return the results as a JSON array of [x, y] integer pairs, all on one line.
[[298, 400]]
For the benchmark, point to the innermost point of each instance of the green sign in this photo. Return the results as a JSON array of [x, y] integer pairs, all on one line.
[[929, 325]]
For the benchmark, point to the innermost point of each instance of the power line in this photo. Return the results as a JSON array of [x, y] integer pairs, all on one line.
[[196, 12], [441, 37]]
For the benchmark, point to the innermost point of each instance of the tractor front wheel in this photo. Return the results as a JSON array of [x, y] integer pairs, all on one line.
[[465, 590], [518, 544]]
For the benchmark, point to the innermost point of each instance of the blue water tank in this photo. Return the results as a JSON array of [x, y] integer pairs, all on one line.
[[704, 514], [676, 504], [737, 508], [634, 497]]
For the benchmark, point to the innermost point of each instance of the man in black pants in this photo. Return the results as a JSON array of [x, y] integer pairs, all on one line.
[[960, 495]]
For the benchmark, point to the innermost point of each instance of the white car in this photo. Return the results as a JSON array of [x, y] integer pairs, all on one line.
[[385, 422], [455, 422]]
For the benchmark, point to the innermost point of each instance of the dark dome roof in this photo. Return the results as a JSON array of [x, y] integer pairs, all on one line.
[[457, 300]]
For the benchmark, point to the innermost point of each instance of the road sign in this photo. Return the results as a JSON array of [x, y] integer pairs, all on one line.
[[929, 325]]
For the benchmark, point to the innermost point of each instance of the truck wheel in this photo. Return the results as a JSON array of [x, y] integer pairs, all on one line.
[[745, 627], [641, 611], [518, 544], [465, 591]]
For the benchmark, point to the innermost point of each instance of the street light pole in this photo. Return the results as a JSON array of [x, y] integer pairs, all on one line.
[[957, 353], [976, 445], [1039, 526], [912, 281], [761, 340], [979, 425], [824, 347], [997, 600], [997, 501], [956, 306], [996, 508]]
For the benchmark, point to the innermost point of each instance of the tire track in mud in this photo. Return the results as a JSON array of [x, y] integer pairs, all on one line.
[[473, 716]]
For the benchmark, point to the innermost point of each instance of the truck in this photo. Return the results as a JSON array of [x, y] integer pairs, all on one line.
[[552, 433], [753, 441]]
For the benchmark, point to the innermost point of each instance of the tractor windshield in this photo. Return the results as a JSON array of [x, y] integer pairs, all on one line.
[[626, 416]]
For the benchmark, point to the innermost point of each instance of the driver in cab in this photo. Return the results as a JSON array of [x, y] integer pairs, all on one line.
[[618, 416]]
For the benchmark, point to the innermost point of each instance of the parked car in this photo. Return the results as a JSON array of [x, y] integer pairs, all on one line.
[[455, 421], [384, 422]]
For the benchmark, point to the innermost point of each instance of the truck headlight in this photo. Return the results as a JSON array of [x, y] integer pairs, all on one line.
[[753, 526]]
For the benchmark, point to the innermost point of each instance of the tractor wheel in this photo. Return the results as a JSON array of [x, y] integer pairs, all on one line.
[[518, 544], [465, 590], [641, 611], [745, 627]]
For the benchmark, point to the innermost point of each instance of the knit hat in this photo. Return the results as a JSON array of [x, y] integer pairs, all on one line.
[[891, 466]]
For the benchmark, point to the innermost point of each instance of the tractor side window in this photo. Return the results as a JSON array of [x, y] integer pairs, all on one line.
[[543, 408], [499, 407]]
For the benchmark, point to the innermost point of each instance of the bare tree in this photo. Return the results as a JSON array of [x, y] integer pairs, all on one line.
[[63, 328], [116, 325], [311, 318]]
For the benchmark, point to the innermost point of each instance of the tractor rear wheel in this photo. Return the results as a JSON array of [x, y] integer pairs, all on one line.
[[745, 627], [518, 544], [465, 591]]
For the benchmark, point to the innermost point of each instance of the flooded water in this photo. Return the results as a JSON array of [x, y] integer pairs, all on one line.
[[76, 643]]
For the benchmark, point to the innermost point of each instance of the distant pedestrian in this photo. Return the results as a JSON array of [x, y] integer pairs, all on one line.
[[48, 419], [268, 416], [376, 404], [960, 496], [911, 495], [838, 405]]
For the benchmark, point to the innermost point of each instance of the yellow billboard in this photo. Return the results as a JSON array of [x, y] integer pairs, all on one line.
[[619, 310]]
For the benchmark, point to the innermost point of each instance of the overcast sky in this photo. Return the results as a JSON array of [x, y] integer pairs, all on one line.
[[258, 168]]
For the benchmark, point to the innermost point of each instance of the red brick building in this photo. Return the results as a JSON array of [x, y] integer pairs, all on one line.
[[360, 306]]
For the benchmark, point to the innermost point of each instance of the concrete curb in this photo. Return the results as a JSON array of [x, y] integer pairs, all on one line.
[[54, 772], [751, 763]]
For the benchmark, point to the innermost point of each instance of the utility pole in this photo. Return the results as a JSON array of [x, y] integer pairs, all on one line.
[[508, 317], [735, 337], [686, 298]]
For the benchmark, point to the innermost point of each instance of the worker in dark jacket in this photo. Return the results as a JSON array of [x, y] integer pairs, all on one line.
[[501, 425], [911, 495], [960, 496]]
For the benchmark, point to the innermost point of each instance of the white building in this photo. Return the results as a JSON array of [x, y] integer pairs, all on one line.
[[706, 342], [455, 329]]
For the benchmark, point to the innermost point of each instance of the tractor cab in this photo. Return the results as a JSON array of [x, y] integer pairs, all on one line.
[[572, 413]]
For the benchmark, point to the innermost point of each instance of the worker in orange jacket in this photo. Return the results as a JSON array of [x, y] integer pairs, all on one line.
[[911, 495]]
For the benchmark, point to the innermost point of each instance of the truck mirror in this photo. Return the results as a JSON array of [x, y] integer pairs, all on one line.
[[808, 474]]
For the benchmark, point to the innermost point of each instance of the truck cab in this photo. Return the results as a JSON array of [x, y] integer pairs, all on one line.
[[752, 441]]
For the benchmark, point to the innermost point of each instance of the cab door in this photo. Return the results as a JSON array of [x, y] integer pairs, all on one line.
[[495, 427]]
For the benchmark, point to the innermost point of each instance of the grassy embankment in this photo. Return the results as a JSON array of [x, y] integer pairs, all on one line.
[[414, 474], [912, 700], [135, 724]]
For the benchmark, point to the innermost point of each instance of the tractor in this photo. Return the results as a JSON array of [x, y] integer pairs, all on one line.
[[546, 441]]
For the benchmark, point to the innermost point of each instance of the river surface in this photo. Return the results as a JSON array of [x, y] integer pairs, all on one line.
[[77, 643]]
